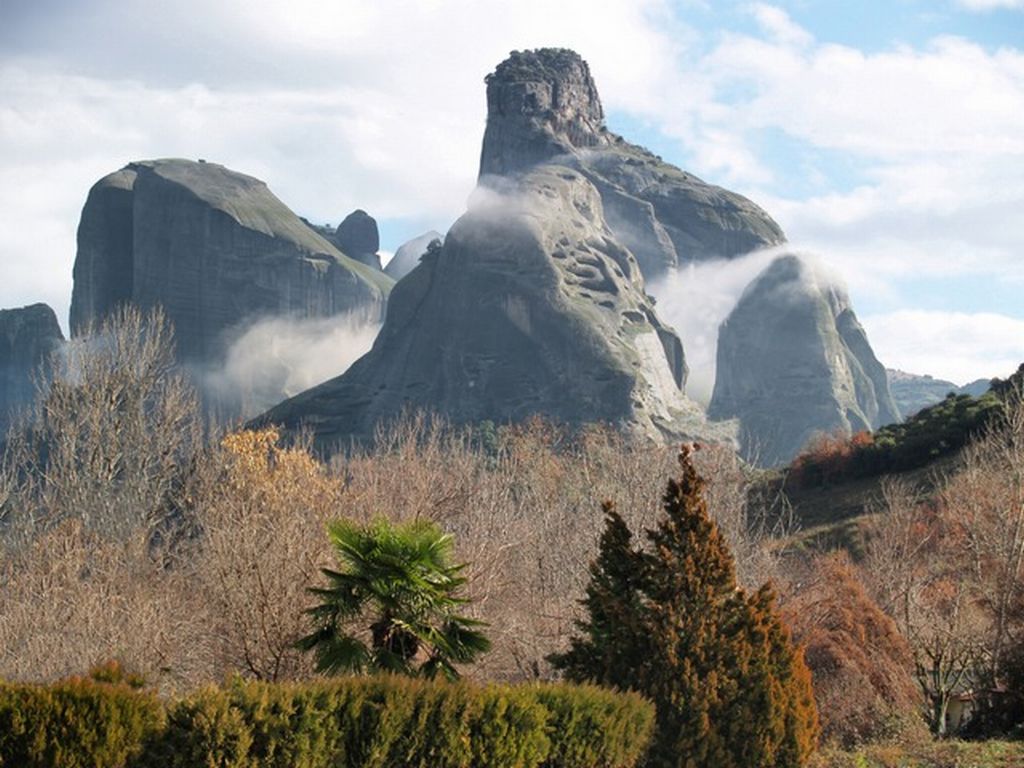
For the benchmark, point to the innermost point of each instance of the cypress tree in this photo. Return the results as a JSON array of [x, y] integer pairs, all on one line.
[[607, 647], [670, 622]]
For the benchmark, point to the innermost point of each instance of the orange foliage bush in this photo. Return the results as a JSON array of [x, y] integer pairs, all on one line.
[[861, 665], [829, 458]]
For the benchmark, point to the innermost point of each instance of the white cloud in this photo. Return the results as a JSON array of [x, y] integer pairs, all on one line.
[[779, 26], [956, 346], [336, 105], [695, 300], [989, 5], [345, 104], [280, 357]]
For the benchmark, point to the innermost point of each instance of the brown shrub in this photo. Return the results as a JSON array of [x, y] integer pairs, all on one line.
[[861, 665]]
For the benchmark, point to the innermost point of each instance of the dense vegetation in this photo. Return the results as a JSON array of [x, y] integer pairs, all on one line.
[[729, 687], [931, 433], [131, 529], [368, 722]]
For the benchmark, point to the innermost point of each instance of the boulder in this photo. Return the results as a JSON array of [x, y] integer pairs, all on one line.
[[530, 307], [409, 253], [357, 237], [543, 107], [216, 249], [794, 361], [29, 336]]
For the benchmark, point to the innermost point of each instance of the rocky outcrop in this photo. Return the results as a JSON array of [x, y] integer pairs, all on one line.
[[409, 253], [793, 361], [913, 393], [28, 338], [357, 237], [531, 306], [543, 107], [215, 248]]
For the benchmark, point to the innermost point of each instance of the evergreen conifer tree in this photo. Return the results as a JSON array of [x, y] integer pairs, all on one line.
[[609, 647], [671, 623]]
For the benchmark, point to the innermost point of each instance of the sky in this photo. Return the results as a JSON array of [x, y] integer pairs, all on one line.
[[885, 136]]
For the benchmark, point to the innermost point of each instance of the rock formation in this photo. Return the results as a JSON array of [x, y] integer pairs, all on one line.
[[357, 237], [793, 361], [408, 254], [28, 337], [216, 248], [913, 393], [531, 306], [543, 107]]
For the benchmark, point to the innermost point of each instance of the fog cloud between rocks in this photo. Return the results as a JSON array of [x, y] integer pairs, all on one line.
[[697, 298], [279, 357]]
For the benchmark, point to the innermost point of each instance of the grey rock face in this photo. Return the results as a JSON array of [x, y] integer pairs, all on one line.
[[540, 104], [104, 266], [792, 361], [913, 393], [28, 337], [215, 248], [531, 306], [543, 107], [408, 255], [357, 237]]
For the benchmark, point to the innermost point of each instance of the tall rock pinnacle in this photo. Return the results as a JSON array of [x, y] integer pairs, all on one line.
[[531, 306], [28, 337], [543, 107], [540, 104], [358, 238]]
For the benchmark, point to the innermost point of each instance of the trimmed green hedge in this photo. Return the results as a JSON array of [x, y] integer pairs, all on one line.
[[75, 724], [367, 722]]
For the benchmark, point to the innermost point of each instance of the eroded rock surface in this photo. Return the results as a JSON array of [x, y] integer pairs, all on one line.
[[531, 306], [543, 107], [215, 248], [28, 337]]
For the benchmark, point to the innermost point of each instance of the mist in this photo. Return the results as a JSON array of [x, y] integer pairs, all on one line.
[[696, 298], [279, 357]]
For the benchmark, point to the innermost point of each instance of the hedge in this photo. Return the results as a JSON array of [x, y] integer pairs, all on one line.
[[75, 724], [362, 722]]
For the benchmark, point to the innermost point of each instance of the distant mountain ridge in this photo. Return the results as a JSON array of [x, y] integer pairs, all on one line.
[[913, 392]]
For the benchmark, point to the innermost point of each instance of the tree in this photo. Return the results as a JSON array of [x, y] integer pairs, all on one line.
[[918, 570], [670, 622], [613, 633], [862, 666], [400, 578], [259, 510], [108, 435], [91, 485], [985, 505]]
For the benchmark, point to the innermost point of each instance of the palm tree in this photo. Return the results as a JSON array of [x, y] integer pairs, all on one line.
[[399, 577]]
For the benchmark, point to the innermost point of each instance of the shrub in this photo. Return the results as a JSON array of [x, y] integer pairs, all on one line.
[[862, 666], [364, 722], [594, 726], [76, 722]]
